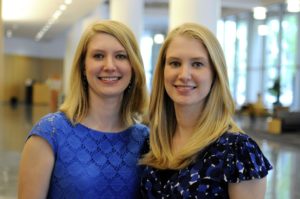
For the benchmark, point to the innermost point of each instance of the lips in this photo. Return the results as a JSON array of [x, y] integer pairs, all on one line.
[[184, 89], [185, 86], [113, 78]]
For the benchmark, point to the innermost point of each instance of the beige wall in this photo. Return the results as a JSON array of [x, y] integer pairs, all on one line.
[[20, 68], [15, 69]]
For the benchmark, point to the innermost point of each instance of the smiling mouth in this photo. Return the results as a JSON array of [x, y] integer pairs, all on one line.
[[109, 78], [185, 87]]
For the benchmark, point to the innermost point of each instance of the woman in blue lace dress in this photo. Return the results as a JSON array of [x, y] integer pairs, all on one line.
[[196, 150], [90, 147]]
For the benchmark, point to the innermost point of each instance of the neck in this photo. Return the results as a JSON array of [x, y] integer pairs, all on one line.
[[104, 115], [187, 119]]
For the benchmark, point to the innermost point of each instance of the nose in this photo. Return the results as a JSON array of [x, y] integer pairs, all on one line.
[[185, 72], [109, 64]]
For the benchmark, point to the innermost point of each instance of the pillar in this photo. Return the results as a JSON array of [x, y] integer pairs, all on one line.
[[203, 12], [129, 12]]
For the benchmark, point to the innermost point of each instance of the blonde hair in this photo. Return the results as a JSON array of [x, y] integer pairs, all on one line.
[[135, 99], [216, 117]]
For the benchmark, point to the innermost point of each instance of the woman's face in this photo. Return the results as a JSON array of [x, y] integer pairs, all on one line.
[[188, 72], [107, 67]]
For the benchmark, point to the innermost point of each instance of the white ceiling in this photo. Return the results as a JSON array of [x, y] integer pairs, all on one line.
[[28, 17]]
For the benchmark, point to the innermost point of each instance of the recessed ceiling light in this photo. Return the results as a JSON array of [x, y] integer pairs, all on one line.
[[68, 2], [293, 5], [259, 13], [62, 7]]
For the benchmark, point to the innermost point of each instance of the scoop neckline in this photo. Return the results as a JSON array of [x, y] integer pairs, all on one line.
[[106, 132]]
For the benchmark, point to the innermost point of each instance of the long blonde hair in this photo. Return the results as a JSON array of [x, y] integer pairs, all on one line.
[[135, 99], [216, 117]]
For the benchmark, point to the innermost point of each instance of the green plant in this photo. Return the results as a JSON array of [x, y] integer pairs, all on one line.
[[275, 90]]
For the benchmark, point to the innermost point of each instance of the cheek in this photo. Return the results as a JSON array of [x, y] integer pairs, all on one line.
[[168, 76], [167, 82], [129, 71], [209, 84], [88, 71], [206, 82]]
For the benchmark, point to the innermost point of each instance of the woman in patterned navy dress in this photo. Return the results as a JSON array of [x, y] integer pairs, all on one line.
[[90, 148], [196, 150]]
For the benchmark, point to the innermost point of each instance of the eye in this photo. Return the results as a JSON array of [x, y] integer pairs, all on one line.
[[197, 64], [174, 63], [121, 56], [98, 56]]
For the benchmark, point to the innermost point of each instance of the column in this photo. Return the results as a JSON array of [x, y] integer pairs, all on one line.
[[129, 12], [203, 12], [2, 71]]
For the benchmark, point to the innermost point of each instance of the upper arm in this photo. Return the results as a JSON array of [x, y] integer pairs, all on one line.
[[248, 189], [35, 168]]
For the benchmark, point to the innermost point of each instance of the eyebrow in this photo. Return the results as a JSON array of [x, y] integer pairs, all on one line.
[[100, 50], [193, 59], [200, 59]]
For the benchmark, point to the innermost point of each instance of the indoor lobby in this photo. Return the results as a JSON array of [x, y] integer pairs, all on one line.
[[262, 55], [283, 150]]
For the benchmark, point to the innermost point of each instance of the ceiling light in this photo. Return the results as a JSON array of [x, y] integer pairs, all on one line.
[[52, 20], [259, 13], [293, 5], [57, 14], [68, 2], [62, 7], [159, 38], [13, 10]]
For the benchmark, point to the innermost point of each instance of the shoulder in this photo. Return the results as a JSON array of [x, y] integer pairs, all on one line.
[[140, 127], [235, 140], [235, 157], [139, 130], [230, 143], [238, 144], [49, 127], [50, 123], [51, 118]]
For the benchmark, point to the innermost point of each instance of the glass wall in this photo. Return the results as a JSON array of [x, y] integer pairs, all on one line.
[[230, 52], [271, 64], [288, 57], [259, 62], [241, 60]]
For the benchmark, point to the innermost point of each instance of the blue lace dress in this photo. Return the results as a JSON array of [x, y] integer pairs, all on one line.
[[89, 163], [230, 159]]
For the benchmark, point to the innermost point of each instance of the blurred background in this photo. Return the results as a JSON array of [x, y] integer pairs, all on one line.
[[260, 38]]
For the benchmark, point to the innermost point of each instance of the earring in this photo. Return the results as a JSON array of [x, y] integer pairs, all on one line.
[[129, 86]]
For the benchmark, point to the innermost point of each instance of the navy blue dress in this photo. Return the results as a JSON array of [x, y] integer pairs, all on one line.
[[91, 164], [230, 159]]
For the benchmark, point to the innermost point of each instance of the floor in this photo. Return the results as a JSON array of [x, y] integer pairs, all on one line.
[[282, 150]]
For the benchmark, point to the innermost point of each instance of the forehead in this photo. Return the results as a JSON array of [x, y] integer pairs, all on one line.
[[186, 46], [104, 40]]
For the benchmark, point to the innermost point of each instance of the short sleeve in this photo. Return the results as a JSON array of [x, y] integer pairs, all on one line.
[[47, 128], [244, 160]]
